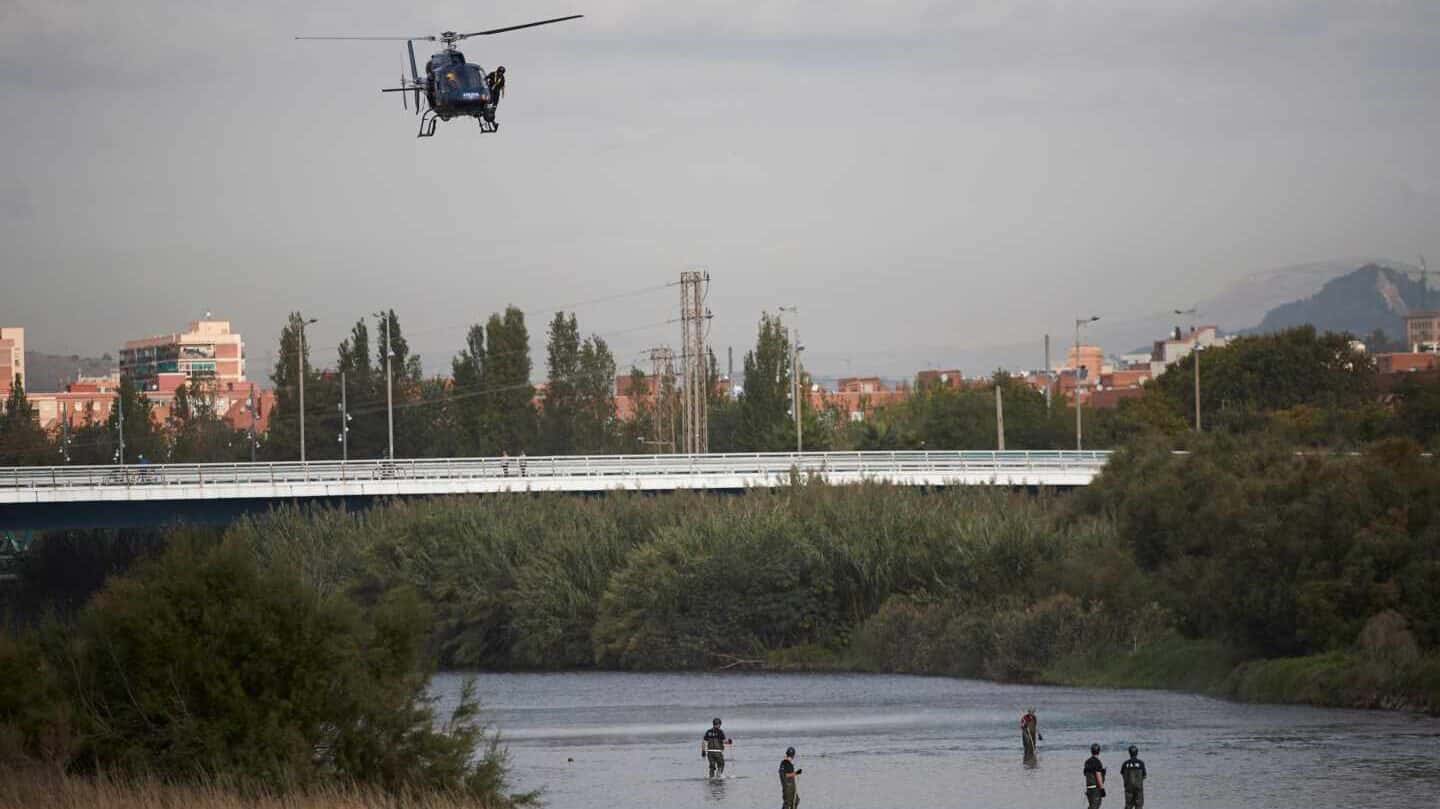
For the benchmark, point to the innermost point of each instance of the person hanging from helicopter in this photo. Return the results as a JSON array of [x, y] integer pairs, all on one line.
[[496, 80], [452, 87]]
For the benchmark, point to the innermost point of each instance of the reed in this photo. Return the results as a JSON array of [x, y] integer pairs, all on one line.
[[28, 788]]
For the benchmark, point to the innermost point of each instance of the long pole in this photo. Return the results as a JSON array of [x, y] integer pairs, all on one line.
[[120, 416], [1078, 443], [251, 404], [300, 375], [1049, 374], [1196, 352], [389, 399], [344, 422], [999, 419], [1079, 321], [799, 408]]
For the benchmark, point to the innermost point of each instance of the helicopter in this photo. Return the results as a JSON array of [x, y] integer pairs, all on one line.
[[453, 88]]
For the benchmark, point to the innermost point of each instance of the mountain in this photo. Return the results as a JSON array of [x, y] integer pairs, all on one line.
[[49, 373], [1360, 302]]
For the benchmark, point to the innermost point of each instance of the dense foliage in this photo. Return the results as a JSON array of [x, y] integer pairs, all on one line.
[[209, 661], [1244, 545]]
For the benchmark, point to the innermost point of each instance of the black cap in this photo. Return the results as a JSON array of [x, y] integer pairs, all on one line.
[[716, 723], [789, 752], [1094, 749], [1134, 751]]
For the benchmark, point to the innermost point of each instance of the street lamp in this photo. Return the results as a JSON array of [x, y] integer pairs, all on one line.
[[389, 399], [1195, 349], [795, 349], [300, 369], [1079, 321]]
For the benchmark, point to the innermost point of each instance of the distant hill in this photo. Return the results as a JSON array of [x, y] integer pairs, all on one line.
[[49, 373], [1360, 302]]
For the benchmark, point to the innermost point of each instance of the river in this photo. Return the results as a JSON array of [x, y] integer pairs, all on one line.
[[601, 740]]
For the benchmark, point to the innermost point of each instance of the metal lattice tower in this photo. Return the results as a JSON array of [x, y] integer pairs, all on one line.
[[694, 359], [662, 375]]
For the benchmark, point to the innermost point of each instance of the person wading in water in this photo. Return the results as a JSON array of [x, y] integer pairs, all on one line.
[[1030, 732], [712, 748], [789, 792]]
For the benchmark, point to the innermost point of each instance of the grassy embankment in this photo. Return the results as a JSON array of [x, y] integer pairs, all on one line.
[[1237, 570], [31, 788]]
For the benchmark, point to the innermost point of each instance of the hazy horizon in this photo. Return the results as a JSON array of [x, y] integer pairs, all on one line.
[[927, 181]]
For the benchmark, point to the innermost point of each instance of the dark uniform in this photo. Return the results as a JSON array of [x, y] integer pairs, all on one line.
[[496, 80], [1094, 779], [715, 750], [1133, 773], [789, 793], [1029, 732]]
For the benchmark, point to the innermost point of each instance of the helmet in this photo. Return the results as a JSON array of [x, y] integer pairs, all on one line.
[[500, 70], [789, 752], [1134, 751], [1094, 749], [716, 723]]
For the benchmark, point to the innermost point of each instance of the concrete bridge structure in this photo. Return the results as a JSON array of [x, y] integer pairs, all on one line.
[[156, 489]]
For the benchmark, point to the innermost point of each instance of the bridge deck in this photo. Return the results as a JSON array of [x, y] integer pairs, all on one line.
[[161, 482]]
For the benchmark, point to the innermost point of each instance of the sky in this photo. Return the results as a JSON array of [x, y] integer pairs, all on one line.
[[930, 183]]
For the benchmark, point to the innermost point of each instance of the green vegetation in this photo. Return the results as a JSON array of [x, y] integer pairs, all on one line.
[[1170, 570], [209, 663]]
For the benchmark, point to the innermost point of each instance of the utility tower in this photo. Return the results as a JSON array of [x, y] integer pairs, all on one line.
[[662, 374], [694, 359]]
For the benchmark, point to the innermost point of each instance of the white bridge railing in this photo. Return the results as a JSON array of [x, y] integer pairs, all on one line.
[[540, 473]]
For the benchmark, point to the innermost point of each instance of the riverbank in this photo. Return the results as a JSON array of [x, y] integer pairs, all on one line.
[[1334, 680], [27, 788]]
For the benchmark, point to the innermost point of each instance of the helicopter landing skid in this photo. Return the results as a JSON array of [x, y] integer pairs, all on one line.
[[428, 120], [488, 127]]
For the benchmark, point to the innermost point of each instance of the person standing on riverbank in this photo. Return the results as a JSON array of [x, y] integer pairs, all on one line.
[[789, 790], [1132, 772], [1030, 732], [1094, 778], [713, 748]]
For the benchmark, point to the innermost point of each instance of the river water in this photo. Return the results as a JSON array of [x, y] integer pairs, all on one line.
[[600, 740]]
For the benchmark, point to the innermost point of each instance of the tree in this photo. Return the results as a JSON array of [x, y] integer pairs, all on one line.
[[638, 433], [197, 433], [22, 440], [282, 441], [559, 410], [1253, 376], [364, 394], [144, 440], [509, 397], [762, 420], [473, 413], [596, 429]]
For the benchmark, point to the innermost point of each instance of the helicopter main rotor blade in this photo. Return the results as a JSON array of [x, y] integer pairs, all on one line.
[[377, 39], [518, 27]]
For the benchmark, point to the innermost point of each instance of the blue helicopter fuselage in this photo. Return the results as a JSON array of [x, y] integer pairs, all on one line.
[[455, 87]]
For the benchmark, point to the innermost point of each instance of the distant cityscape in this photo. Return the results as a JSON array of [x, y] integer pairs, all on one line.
[[209, 353]]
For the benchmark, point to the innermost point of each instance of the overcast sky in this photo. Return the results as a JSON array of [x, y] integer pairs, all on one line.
[[924, 179]]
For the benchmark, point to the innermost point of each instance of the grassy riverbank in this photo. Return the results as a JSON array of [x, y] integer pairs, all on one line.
[[31, 788], [1334, 679], [1239, 569]]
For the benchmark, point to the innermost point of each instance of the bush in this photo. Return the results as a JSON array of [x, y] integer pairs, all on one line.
[[203, 663]]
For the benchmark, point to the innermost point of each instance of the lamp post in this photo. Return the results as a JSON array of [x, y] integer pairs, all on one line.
[[1079, 321], [795, 349], [1195, 350], [300, 369], [389, 396]]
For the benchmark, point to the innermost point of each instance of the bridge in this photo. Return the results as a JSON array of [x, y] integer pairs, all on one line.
[[158, 489]]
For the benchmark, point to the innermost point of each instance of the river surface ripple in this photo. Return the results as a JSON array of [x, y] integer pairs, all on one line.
[[601, 740]]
